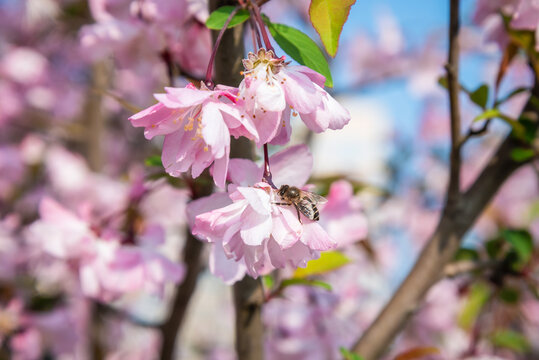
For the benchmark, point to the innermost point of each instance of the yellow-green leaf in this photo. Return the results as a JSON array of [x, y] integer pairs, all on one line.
[[328, 18], [522, 154], [511, 340], [479, 294], [154, 160], [328, 261]]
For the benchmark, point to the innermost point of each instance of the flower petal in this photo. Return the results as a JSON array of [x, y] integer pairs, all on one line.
[[244, 172], [292, 166], [315, 237], [224, 268]]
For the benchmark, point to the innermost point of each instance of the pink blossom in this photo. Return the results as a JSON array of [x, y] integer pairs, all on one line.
[[271, 87], [197, 125], [304, 325], [526, 15], [114, 270], [246, 225], [24, 65], [343, 217], [26, 345], [107, 269], [262, 234]]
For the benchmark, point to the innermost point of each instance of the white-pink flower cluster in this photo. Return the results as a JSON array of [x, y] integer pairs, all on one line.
[[106, 267], [197, 124], [250, 228]]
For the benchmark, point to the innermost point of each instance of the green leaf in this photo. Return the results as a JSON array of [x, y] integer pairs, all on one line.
[[509, 295], [488, 114], [217, 19], [328, 261], [493, 248], [466, 254], [301, 48], [480, 96], [522, 242], [328, 18], [306, 282], [442, 81], [511, 340], [154, 160], [522, 154], [479, 294], [348, 355], [268, 281], [519, 130]]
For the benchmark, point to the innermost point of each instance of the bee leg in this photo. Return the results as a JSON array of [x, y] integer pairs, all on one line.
[[280, 203], [297, 210]]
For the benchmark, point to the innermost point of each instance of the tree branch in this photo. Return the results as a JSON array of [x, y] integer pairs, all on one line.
[[438, 252], [453, 86], [169, 330], [460, 213]]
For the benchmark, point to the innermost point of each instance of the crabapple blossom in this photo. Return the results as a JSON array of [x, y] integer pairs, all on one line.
[[262, 234], [343, 216], [250, 233], [107, 269], [272, 87], [197, 125]]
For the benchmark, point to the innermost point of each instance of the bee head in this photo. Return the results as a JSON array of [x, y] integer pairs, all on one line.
[[283, 189]]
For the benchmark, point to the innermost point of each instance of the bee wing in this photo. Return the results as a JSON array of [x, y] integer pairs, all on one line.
[[315, 198]]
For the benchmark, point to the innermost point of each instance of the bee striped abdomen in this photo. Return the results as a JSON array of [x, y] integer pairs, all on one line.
[[316, 215]]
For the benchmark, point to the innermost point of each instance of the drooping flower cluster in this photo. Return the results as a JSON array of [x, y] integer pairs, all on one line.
[[272, 87], [250, 229], [253, 232], [197, 124], [107, 269]]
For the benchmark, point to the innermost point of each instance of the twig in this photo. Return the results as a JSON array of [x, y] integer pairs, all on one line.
[[170, 329], [466, 266], [452, 69], [475, 132]]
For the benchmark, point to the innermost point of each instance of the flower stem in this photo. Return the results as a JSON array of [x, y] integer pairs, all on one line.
[[262, 26], [209, 72], [255, 33], [267, 172]]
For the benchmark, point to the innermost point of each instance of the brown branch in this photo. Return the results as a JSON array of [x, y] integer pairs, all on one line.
[[453, 86], [94, 118], [475, 132], [438, 252], [170, 329], [248, 300], [466, 266]]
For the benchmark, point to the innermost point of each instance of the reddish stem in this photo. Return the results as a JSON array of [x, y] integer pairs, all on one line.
[[209, 72], [267, 172], [262, 26], [255, 33]]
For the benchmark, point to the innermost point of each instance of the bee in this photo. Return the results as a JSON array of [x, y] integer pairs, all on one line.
[[304, 201]]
